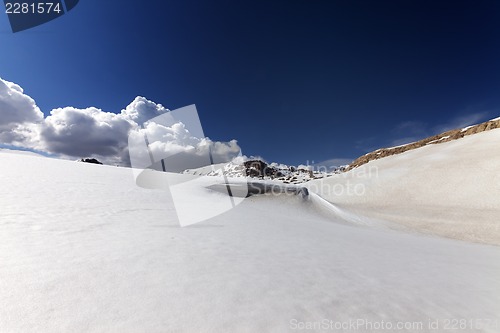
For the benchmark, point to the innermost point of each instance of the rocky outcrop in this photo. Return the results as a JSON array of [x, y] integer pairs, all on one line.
[[255, 168], [258, 168], [90, 160], [284, 173], [436, 139]]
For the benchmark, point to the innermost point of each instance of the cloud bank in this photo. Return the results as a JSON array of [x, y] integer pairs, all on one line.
[[74, 133]]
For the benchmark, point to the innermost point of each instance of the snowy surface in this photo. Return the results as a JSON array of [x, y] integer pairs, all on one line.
[[233, 170], [451, 189], [467, 127], [440, 139], [83, 249], [19, 152]]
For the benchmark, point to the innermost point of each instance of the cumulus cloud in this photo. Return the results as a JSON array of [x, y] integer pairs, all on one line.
[[141, 110], [73, 133], [85, 132], [16, 107], [179, 149], [19, 114]]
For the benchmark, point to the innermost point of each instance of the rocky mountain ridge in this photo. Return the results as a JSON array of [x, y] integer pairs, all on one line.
[[436, 139], [258, 169]]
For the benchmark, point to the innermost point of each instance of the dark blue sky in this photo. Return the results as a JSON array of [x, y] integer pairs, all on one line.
[[290, 80]]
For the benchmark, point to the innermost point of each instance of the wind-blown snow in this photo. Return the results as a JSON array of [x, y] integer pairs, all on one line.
[[82, 248], [451, 189]]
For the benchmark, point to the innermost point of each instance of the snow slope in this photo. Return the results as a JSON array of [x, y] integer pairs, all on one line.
[[19, 152], [83, 249], [451, 189]]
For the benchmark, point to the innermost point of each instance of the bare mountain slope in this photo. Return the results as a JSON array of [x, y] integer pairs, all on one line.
[[436, 139]]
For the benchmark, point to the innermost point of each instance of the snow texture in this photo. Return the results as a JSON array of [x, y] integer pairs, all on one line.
[[84, 249]]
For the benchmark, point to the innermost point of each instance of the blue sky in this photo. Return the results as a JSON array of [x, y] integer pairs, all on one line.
[[292, 81]]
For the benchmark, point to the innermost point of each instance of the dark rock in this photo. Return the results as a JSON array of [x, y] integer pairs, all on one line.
[[90, 160], [255, 168]]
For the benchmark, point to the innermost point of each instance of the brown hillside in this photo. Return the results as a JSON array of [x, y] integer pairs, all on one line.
[[436, 139]]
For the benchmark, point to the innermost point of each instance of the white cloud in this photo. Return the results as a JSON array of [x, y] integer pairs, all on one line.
[[16, 107], [180, 149], [18, 114], [85, 132], [413, 127], [141, 110], [73, 133]]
